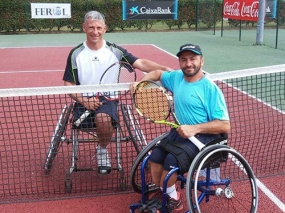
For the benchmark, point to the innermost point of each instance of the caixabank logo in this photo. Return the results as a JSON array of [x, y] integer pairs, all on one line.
[[134, 10], [149, 10]]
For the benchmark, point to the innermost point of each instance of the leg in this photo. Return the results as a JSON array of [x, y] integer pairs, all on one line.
[[105, 119], [135, 176], [161, 163], [104, 129]]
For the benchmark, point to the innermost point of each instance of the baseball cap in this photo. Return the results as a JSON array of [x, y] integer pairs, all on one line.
[[190, 47]]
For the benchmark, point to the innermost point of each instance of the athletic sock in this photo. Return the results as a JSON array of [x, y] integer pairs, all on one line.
[[171, 191], [101, 150]]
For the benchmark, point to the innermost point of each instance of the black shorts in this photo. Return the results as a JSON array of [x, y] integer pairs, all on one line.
[[180, 148], [109, 107]]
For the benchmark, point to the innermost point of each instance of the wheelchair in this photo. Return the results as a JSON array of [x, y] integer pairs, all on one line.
[[218, 180], [80, 135]]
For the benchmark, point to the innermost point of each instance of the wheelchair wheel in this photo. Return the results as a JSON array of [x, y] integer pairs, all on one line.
[[135, 176], [57, 137], [135, 133], [221, 180]]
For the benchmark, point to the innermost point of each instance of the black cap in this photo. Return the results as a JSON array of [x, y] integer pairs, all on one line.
[[190, 47]]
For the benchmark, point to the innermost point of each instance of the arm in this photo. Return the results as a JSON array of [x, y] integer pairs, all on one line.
[[146, 65], [88, 103], [153, 76], [212, 127]]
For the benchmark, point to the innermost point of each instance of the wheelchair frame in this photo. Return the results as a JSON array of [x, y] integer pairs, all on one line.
[[60, 136], [201, 190]]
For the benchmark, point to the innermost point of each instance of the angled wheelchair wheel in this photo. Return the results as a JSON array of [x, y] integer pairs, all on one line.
[[220, 180], [57, 137], [135, 176], [135, 132]]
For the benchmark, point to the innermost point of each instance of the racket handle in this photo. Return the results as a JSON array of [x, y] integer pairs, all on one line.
[[196, 142], [82, 118]]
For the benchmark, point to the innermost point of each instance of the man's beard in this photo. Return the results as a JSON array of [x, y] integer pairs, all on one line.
[[196, 70]]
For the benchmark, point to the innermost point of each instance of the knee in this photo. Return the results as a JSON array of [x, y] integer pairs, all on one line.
[[157, 156], [170, 162], [102, 119]]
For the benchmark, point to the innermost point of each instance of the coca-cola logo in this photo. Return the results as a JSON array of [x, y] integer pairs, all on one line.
[[232, 9], [249, 10]]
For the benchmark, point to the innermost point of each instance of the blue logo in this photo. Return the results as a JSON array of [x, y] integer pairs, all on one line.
[[134, 10]]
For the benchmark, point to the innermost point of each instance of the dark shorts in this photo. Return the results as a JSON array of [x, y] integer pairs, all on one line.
[[109, 107], [176, 151]]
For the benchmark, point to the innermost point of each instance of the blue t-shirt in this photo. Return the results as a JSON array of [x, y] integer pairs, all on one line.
[[198, 102]]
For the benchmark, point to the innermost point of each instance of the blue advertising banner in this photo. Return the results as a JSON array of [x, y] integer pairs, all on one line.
[[271, 8], [133, 10]]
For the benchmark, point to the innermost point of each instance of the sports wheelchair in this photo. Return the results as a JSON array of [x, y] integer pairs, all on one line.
[[80, 135], [219, 180]]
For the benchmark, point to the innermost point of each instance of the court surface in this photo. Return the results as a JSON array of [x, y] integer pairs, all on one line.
[[36, 63]]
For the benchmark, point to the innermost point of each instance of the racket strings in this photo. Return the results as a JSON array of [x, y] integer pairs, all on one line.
[[152, 102], [119, 72]]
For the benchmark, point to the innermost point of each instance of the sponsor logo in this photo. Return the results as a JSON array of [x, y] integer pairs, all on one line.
[[145, 10], [134, 10], [50, 10], [188, 47], [95, 58], [250, 10]]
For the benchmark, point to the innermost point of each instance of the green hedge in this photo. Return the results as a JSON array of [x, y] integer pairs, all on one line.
[[16, 15]]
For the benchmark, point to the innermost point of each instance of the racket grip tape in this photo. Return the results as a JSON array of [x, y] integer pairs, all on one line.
[[196, 142], [82, 118]]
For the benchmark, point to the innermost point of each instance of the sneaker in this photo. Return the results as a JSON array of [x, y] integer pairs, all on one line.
[[174, 205], [103, 161]]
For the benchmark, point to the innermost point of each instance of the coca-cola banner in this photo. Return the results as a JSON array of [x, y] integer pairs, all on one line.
[[241, 9]]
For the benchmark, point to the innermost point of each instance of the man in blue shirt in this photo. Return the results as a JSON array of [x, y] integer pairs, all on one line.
[[201, 110]]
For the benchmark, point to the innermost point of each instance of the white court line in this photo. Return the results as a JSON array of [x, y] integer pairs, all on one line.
[[29, 71], [270, 195], [164, 51]]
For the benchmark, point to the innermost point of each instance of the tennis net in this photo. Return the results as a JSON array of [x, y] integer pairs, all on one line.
[[33, 118]]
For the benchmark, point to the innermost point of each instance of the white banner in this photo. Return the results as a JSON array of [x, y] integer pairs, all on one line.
[[51, 10]]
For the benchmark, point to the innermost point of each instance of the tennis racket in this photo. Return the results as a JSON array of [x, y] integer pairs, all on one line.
[[153, 103], [119, 72]]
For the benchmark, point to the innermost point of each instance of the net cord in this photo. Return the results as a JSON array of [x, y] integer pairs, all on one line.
[[57, 90]]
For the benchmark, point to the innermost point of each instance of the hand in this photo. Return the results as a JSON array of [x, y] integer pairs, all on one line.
[[169, 69], [92, 103], [186, 131], [133, 87]]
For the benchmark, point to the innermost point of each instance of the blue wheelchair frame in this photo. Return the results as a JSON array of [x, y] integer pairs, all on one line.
[[202, 186]]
